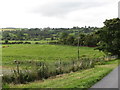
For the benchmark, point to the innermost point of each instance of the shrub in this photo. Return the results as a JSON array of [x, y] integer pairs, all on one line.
[[6, 41], [37, 43], [27, 42]]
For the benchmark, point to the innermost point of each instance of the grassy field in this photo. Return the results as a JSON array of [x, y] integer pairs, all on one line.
[[46, 52], [52, 53], [80, 79]]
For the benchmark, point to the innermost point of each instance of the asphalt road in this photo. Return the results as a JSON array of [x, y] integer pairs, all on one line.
[[109, 81]]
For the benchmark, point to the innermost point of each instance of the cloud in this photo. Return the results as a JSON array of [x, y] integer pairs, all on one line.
[[56, 13], [60, 8]]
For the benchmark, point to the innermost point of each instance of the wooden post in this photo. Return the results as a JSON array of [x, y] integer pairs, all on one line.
[[78, 44]]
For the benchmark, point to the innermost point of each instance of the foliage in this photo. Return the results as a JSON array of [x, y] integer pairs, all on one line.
[[110, 37], [36, 34], [90, 40]]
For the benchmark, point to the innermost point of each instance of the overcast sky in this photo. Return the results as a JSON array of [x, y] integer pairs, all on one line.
[[56, 13]]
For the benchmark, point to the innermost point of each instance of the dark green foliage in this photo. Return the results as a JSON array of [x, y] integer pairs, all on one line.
[[110, 37], [37, 43], [90, 40], [14, 42], [63, 38], [6, 42], [27, 42]]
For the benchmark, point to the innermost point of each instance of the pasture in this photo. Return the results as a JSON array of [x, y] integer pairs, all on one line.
[[53, 74], [48, 53]]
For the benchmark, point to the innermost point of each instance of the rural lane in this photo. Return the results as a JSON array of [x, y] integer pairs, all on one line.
[[110, 81]]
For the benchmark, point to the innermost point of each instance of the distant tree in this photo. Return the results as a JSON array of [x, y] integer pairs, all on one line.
[[63, 38], [75, 27], [81, 39], [70, 40], [110, 37], [52, 38], [91, 40], [6, 41]]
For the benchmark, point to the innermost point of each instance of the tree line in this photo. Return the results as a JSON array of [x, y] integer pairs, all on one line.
[[36, 34], [84, 39]]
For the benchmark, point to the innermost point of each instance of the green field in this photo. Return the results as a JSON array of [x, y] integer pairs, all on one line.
[[80, 79], [83, 78], [46, 53]]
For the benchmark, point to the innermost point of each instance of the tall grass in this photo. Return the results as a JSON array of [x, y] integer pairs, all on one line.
[[38, 70]]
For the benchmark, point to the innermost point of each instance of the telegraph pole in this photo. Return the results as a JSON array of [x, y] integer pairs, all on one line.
[[78, 44]]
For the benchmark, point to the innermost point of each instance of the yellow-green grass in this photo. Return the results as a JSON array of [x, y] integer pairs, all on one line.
[[48, 53], [80, 79], [7, 29]]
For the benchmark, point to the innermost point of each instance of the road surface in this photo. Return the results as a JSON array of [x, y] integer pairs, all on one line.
[[110, 81]]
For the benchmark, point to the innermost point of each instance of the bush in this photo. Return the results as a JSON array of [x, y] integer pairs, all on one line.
[[6, 41], [27, 42], [37, 43]]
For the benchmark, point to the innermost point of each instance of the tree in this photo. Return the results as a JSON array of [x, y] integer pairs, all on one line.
[[52, 38], [91, 40], [63, 38], [6, 41], [70, 40], [110, 37], [81, 39]]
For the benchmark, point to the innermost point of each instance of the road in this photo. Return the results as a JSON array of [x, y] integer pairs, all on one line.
[[109, 81]]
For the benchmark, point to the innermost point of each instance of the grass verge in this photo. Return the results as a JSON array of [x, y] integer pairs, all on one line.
[[80, 79]]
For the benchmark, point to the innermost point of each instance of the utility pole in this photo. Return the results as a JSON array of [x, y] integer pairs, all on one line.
[[78, 44]]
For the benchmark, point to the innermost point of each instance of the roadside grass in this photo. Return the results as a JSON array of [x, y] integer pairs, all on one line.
[[48, 53], [80, 79]]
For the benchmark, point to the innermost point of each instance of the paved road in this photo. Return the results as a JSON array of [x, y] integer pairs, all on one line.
[[109, 81]]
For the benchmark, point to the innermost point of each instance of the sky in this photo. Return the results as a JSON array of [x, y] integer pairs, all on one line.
[[56, 13]]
